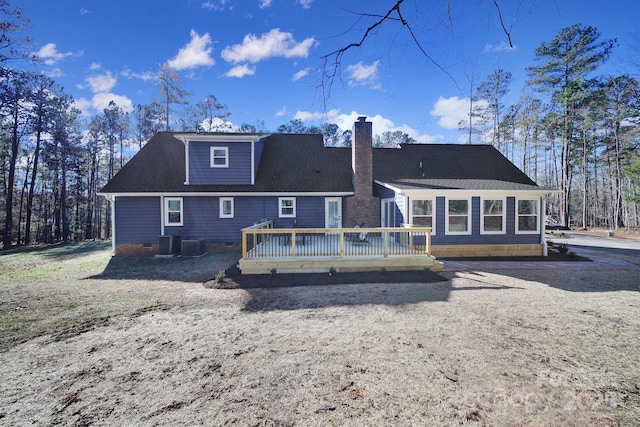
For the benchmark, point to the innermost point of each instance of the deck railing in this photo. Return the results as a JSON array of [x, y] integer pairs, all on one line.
[[262, 241]]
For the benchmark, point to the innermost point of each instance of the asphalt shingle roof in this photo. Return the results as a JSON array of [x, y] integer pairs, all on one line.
[[449, 166], [300, 163], [289, 163]]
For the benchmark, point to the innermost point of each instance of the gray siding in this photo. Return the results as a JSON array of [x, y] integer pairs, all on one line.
[[201, 172], [137, 220]]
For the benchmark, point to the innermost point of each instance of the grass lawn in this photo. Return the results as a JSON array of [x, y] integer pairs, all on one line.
[[89, 339]]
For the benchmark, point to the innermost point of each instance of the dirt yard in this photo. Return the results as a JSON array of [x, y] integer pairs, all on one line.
[[91, 340]]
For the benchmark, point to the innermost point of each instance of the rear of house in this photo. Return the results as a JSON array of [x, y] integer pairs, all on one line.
[[208, 187]]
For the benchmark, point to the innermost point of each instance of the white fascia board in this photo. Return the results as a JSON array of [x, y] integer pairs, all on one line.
[[475, 193], [249, 137], [228, 194], [442, 192]]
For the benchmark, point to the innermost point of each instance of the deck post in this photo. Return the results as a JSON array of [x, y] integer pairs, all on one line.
[[341, 243], [385, 240], [293, 244], [244, 244]]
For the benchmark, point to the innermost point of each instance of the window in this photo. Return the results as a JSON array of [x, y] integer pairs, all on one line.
[[527, 216], [422, 213], [493, 216], [286, 207], [226, 207], [173, 211], [458, 217], [219, 157]]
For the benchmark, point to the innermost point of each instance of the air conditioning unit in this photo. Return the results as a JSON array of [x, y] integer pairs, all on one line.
[[193, 247], [168, 245]]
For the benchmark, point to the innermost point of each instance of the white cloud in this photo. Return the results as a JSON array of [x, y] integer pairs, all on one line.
[[305, 3], [275, 43], [84, 11], [300, 74], [94, 66], [363, 75], [50, 55], [282, 112], [240, 71], [195, 54], [100, 101], [146, 76], [500, 47], [218, 5], [54, 73], [308, 116], [265, 3], [102, 82], [453, 110]]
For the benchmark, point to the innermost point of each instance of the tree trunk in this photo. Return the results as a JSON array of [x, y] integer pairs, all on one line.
[[7, 238], [32, 183]]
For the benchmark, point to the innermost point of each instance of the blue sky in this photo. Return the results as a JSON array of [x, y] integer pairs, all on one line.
[[262, 58]]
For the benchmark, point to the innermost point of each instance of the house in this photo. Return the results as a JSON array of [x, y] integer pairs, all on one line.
[[210, 186]]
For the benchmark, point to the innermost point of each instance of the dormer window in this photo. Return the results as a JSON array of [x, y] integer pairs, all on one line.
[[219, 157]]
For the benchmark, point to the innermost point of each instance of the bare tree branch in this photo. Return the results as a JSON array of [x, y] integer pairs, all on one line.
[[507, 32], [332, 61]]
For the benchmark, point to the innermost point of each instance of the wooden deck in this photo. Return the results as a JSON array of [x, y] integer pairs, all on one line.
[[302, 250]]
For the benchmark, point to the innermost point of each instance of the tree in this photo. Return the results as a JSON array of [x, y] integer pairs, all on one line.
[[14, 95], [258, 127], [493, 89], [149, 120], [41, 106], [620, 105], [209, 110], [171, 91], [294, 126], [569, 58], [13, 44], [392, 139]]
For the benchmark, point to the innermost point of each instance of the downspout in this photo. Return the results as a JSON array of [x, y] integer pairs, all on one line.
[[543, 210], [186, 163], [112, 199], [162, 215], [253, 167]]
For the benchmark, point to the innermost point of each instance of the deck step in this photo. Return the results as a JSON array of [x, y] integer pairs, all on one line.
[[265, 266]]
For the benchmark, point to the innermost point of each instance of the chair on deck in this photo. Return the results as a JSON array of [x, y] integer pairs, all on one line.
[[361, 237]]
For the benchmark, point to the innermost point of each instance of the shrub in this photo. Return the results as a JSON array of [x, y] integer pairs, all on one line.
[[220, 276]]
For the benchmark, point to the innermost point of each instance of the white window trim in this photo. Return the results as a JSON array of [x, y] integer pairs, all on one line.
[[446, 217], [517, 216], [166, 212], [226, 157], [222, 201], [504, 216], [433, 211], [280, 214]]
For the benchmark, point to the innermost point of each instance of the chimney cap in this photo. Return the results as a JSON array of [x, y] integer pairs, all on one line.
[[362, 118]]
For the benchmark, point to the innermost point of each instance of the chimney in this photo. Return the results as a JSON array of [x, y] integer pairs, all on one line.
[[362, 157], [362, 206]]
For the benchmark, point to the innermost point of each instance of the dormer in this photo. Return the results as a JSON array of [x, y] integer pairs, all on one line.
[[222, 159]]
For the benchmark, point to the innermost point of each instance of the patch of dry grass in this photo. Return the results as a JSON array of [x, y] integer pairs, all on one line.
[[133, 344]]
